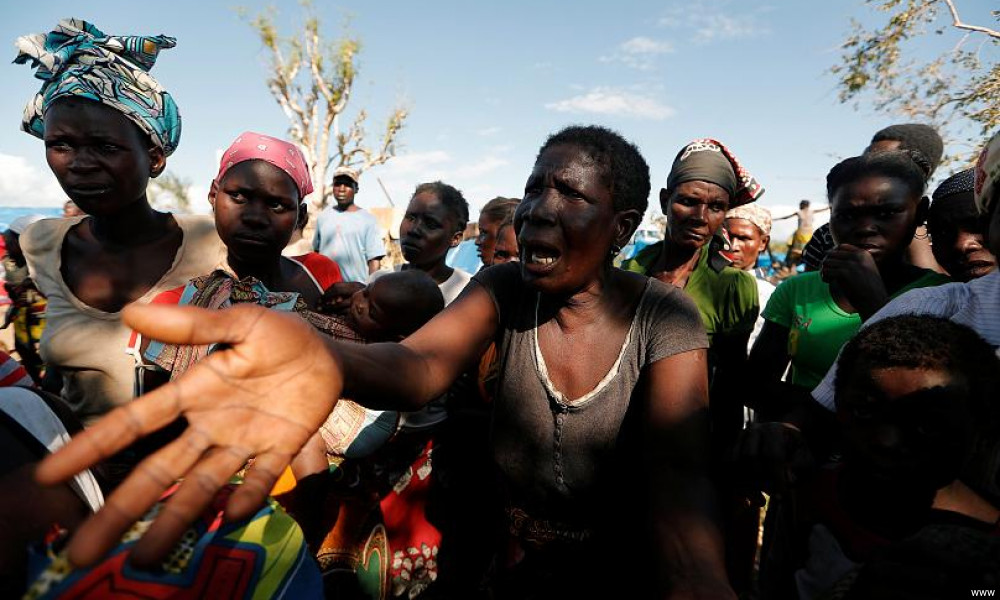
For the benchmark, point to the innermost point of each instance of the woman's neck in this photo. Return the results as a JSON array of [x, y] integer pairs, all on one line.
[[676, 262], [135, 225], [267, 271], [589, 304], [438, 270]]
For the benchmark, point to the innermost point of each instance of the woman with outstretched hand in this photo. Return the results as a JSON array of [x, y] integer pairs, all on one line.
[[600, 429]]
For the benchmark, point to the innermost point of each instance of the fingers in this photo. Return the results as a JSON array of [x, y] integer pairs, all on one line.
[[134, 497], [186, 505], [191, 325], [257, 483], [112, 433]]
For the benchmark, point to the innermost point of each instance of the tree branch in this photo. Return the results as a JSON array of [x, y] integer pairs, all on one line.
[[957, 22]]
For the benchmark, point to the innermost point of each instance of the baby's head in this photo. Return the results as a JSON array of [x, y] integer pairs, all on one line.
[[912, 393], [395, 305]]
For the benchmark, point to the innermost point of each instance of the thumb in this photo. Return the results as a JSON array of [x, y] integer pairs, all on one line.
[[192, 325]]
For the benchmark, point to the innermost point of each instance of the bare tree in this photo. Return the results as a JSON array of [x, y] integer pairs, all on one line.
[[311, 79], [170, 192], [956, 88]]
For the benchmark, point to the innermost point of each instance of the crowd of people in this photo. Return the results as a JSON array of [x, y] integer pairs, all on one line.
[[215, 409]]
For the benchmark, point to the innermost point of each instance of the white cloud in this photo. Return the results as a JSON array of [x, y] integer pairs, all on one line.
[[479, 168], [638, 53], [400, 176], [487, 131], [418, 162], [716, 22], [645, 45], [23, 184], [614, 101]]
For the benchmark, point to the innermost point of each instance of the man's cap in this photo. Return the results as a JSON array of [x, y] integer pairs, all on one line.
[[348, 173]]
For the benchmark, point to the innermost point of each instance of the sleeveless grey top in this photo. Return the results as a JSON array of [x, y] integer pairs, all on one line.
[[561, 458]]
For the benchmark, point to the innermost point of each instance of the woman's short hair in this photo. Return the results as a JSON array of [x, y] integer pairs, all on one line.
[[625, 170], [898, 164], [451, 198]]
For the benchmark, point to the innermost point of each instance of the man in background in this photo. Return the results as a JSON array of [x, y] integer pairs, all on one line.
[[348, 234]]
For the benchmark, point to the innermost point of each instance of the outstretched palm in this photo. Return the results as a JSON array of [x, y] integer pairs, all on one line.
[[262, 396]]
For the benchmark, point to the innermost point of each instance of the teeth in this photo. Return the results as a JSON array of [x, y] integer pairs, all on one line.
[[542, 260]]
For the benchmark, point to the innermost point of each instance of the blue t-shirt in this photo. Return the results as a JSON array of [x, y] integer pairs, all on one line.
[[351, 239]]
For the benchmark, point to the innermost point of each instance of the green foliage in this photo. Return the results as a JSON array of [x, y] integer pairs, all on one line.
[[890, 66]]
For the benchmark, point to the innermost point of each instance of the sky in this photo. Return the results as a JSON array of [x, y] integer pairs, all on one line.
[[486, 82]]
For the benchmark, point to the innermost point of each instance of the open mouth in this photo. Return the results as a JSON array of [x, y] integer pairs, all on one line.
[[539, 257]]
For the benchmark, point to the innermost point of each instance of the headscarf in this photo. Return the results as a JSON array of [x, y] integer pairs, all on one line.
[[756, 214], [284, 155], [78, 60], [961, 183], [709, 160], [954, 204], [988, 175]]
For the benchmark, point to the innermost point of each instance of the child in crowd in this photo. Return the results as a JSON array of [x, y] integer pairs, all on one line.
[[916, 399]]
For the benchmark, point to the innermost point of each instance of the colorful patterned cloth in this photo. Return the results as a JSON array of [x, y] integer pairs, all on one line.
[[78, 60], [264, 556], [282, 154], [710, 160], [756, 214]]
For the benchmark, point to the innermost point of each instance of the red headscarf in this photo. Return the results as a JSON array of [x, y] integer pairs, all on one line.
[[284, 155]]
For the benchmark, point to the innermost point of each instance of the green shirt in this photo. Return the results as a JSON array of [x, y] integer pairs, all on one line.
[[727, 299], [818, 328]]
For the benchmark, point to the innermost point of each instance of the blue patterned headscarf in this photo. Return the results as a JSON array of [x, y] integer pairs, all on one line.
[[77, 59]]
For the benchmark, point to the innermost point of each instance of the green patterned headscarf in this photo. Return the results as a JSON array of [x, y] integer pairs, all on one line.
[[78, 60]]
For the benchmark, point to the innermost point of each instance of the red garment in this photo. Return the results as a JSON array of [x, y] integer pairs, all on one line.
[[12, 373], [323, 271], [413, 540]]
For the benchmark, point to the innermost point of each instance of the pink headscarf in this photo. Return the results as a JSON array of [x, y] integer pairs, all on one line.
[[282, 154]]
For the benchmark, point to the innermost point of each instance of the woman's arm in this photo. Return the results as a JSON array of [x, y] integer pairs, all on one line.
[[262, 394], [687, 541], [406, 376]]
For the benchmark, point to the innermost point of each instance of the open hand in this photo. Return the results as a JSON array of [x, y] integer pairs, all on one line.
[[262, 395]]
